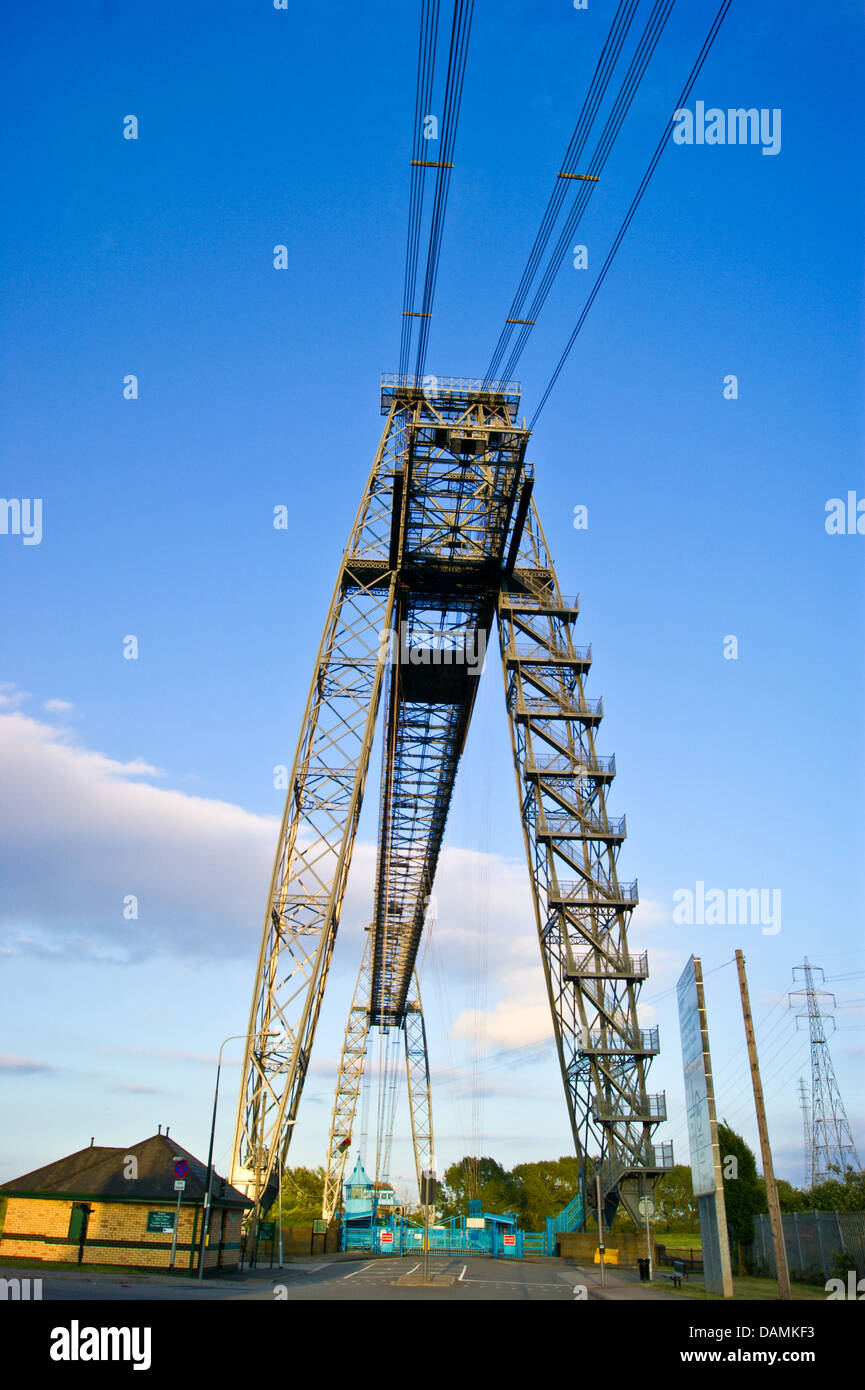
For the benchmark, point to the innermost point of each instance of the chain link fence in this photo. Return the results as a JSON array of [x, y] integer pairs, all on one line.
[[820, 1244]]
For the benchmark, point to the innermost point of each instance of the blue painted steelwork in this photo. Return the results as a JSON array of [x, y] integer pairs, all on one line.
[[452, 1237], [568, 1219]]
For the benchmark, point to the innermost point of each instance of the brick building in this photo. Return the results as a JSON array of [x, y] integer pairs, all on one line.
[[107, 1206]]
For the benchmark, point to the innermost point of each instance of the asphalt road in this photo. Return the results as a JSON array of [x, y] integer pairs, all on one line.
[[463, 1279]]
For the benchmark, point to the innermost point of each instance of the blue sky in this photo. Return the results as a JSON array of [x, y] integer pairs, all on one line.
[[260, 387]]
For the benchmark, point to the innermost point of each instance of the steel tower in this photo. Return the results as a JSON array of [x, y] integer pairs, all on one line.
[[833, 1151], [808, 1146], [446, 541]]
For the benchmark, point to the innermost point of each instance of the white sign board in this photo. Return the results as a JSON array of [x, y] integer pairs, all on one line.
[[179, 1185], [695, 1063], [475, 1223], [703, 1131]]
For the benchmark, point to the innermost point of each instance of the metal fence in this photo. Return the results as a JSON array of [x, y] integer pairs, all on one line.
[[818, 1243], [408, 1239], [691, 1258]]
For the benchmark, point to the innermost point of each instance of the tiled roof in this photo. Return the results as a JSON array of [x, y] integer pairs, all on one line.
[[99, 1172]]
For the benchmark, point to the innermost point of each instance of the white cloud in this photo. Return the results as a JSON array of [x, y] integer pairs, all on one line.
[[57, 706], [10, 696], [23, 1066], [81, 831], [80, 835]]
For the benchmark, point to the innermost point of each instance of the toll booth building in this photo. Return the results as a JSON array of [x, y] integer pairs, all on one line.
[[120, 1206], [362, 1196]]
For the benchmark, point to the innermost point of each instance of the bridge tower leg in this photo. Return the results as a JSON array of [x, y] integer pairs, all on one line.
[[319, 825], [349, 1082], [582, 908], [348, 1085], [419, 1093]]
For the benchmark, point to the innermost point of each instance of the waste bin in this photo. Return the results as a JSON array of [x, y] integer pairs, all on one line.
[[644, 1271]]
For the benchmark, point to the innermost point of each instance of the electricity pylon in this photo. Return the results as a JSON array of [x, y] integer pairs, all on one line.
[[447, 539], [833, 1151], [808, 1144]]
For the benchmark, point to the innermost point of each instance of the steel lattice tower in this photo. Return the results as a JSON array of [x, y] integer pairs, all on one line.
[[833, 1151], [808, 1145], [447, 541]]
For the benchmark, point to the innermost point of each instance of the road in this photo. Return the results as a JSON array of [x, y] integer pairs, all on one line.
[[460, 1279]]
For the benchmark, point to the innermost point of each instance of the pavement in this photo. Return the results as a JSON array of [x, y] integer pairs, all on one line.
[[346, 1279], [621, 1285]]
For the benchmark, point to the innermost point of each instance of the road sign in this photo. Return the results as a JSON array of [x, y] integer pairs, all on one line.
[[386, 1237], [509, 1240], [319, 1228], [181, 1168], [646, 1208], [179, 1185], [265, 1230]]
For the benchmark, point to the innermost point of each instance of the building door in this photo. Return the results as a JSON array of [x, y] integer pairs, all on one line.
[[79, 1219]]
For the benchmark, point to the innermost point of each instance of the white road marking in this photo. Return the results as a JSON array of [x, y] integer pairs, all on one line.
[[462, 1276], [513, 1284], [356, 1271]]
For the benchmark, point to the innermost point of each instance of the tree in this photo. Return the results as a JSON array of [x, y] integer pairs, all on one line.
[[744, 1189], [790, 1198], [302, 1195], [845, 1193], [543, 1189], [474, 1178], [675, 1205]]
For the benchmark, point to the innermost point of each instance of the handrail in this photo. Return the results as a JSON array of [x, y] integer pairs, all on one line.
[[579, 890], [539, 601], [564, 762], [449, 383], [622, 964], [521, 652]]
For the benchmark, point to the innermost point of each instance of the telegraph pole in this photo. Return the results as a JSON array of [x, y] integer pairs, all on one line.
[[768, 1171]]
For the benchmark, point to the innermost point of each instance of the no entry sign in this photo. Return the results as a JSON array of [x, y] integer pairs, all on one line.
[[509, 1240], [387, 1237]]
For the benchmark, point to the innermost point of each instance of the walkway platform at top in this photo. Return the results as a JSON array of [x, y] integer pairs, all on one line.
[[456, 391]]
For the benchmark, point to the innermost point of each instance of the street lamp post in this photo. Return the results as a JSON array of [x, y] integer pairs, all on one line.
[[205, 1221]]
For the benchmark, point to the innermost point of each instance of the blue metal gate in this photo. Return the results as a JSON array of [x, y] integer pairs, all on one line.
[[406, 1238]]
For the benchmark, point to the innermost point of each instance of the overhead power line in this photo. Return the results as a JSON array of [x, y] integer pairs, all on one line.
[[423, 101], [459, 47], [640, 60], [445, 141], [597, 88], [635, 202]]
